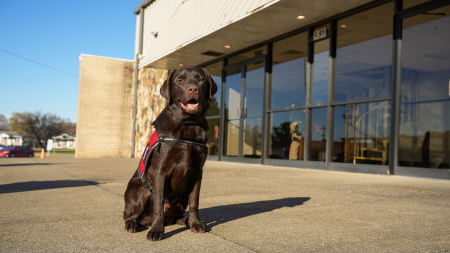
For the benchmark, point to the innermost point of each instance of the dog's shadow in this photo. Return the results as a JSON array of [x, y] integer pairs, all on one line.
[[214, 216]]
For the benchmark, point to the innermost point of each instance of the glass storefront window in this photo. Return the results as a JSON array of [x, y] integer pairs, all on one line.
[[424, 139], [321, 71], [362, 133], [232, 105], [253, 104], [215, 71], [248, 55], [213, 136], [318, 134], [288, 71], [364, 54], [287, 135]]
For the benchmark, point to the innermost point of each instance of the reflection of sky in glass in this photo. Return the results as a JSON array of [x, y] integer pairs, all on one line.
[[320, 78], [363, 70], [254, 90], [425, 94], [288, 84], [426, 78], [233, 83]]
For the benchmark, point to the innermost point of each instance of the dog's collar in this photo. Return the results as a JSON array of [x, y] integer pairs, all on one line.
[[155, 142]]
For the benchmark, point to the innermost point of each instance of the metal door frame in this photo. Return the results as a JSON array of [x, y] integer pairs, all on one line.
[[243, 66]]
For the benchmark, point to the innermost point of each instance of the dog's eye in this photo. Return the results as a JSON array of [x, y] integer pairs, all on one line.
[[180, 81], [201, 79]]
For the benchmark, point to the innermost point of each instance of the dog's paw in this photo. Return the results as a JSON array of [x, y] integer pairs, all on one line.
[[198, 227], [154, 236], [131, 226]]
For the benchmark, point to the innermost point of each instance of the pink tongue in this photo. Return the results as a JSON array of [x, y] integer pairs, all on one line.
[[191, 105]]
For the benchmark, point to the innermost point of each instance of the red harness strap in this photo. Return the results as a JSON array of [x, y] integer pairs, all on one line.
[[152, 144], [148, 150]]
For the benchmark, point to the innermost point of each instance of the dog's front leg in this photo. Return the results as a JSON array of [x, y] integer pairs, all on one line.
[[194, 220], [156, 232]]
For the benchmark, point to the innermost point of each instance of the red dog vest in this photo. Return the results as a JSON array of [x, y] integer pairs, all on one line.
[[154, 143]]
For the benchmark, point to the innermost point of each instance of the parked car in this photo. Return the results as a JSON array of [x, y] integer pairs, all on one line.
[[16, 151]]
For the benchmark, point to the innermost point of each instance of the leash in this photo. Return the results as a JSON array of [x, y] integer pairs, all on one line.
[[153, 143]]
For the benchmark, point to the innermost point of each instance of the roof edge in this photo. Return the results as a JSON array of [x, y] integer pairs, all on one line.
[[142, 4], [104, 57]]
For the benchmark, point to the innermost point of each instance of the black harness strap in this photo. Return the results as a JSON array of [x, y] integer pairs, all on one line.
[[146, 156]]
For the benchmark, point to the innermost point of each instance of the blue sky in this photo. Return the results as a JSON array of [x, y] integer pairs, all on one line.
[[55, 33]]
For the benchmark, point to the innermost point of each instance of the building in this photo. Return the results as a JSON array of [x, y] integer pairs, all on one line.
[[64, 141], [358, 86], [9, 138]]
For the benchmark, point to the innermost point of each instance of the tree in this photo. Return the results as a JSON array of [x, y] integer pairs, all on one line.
[[3, 123], [40, 127]]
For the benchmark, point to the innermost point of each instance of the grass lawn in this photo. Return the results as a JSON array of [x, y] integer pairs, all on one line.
[[56, 153]]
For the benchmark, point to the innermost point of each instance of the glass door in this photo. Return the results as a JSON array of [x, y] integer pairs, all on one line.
[[244, 98]]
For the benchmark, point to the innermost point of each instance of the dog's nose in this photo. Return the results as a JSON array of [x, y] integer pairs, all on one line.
[[192, 89]]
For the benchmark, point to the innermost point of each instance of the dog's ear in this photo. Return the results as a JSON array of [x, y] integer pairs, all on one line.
[[166, 87], [212, 84]]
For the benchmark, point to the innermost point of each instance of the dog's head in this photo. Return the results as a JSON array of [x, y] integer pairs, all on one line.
[[191, 89]]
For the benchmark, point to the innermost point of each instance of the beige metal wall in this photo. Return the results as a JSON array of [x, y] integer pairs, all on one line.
[[156, 16], [180, 21]]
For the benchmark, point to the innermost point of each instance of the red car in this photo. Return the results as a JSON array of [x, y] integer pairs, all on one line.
[[16, 151]]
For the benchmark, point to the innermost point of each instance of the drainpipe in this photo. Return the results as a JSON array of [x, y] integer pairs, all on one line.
[[136, 81]]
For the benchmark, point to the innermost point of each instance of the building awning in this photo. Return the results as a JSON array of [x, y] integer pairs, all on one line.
[[201, 26]]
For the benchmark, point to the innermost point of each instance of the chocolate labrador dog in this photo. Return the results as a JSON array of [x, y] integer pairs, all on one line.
[[174, 169]]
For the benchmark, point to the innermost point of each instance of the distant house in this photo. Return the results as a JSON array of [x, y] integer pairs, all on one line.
[[64, 141], [8, 138]]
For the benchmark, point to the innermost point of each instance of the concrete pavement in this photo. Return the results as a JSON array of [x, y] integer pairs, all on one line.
[[75, 205]]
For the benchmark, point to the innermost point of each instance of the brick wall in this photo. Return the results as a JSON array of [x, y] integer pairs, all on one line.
[[104, 107]]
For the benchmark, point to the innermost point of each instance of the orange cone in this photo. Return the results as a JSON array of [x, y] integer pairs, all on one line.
[[43, 153]]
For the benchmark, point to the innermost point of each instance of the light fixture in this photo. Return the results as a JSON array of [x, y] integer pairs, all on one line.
[[212, 68], [181, 64], [343, 26], [227, 46], [301, 17]]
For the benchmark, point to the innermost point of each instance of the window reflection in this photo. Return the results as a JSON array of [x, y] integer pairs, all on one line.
[[287, 131], [288, 73], [232, 105], [362, 133], [424, 139], [318, 134], [364, 54], [253, 104], [321, 71], [213, 136]]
